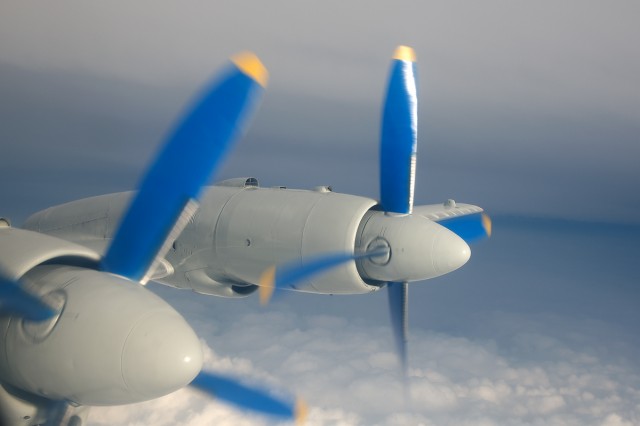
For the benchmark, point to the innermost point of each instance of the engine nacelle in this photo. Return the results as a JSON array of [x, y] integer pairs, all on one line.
[[113, 342], [241, 230], [255, 228]]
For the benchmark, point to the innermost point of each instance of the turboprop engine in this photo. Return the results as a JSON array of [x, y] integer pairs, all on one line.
[[111, 341], [253, 228], [78, 326]]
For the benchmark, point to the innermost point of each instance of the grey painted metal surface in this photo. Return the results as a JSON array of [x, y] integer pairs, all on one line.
[[47, 363], [128, 360], [22, 250]]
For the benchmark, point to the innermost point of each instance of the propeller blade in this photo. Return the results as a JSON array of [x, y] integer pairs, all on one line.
[[230, 390], [398, 141], [289, 274], [399, 312], [16, 301], [471, 228], [164, 202]]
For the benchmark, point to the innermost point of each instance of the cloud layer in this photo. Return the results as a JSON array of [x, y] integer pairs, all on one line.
[[345, 371]]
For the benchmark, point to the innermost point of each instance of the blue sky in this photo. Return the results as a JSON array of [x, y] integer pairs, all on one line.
[[529, 110]]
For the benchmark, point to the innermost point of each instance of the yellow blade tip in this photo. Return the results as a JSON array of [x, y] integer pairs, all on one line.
[[250, 65], [404, 53], [301, 412], [267, 285], [486, 223]]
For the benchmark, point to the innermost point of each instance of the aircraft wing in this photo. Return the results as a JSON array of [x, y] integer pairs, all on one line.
[[90, 222]]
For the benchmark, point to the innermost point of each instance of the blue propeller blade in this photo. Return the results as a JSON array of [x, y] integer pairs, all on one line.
[[16, 301], [185, 163], [288, 275], [399, 312], [471, 228], [230, 390], [399, 133], [398, 146]]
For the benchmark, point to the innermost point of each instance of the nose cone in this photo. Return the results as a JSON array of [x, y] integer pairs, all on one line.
[[450, 252], [419, 248], [161, 355]]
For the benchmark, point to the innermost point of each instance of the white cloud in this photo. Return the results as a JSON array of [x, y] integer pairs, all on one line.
[[345, 371]]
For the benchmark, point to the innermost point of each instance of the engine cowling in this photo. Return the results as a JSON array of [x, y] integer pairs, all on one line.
[[258, 228], [113, 342]]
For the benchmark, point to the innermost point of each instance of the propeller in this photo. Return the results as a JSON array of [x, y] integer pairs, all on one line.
[[398, 147], [415, 248]]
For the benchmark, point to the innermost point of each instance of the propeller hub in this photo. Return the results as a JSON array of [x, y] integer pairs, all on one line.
[[379, 245], [419, 248]]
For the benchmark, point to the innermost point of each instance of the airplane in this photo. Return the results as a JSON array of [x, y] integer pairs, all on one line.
[[78, 327], [242, 238]]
